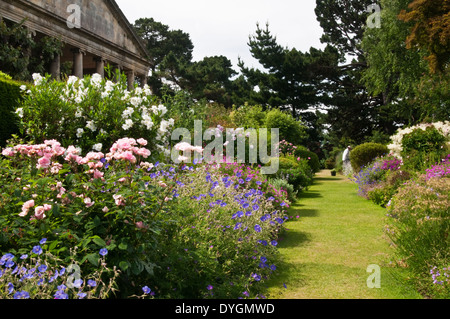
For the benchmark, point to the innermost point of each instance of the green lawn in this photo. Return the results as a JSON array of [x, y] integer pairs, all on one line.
[[326, 251]]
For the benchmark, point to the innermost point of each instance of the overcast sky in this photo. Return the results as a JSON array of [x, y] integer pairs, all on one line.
[[223, 27]]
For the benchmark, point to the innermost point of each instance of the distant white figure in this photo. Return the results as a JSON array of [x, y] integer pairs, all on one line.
[[346, 155], [347, 167]]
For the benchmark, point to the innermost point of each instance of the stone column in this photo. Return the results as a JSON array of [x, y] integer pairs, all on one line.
[[130, 79], [100, 66], [78, 63], [144, 79], [55, 67]]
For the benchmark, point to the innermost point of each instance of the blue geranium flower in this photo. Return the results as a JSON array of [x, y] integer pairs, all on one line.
[[37, 250], [103, 251], [22, 295], [146, 290], [257, 228]]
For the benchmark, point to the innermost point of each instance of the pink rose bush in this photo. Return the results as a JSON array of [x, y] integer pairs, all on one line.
[[151, 217]]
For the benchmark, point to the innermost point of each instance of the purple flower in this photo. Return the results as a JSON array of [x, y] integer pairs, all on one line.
[[103, 251], [22, 295], [257, 228], [43, 240], [209, 287], [146, 290], [37, 250], [256, 277], [42, 268], [274, 242], [81, 295]]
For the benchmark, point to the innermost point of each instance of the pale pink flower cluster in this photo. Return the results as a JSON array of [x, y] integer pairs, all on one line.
[[127, 149], [44, 152], [39, 211]]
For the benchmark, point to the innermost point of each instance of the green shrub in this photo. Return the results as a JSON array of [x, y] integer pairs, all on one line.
[[287, 163], [92, 113], [381, 193], [10, 95], [330, 163], [422, 148], [248, 116], [283, 184], [365, 153], [313, 159], [291, 130]]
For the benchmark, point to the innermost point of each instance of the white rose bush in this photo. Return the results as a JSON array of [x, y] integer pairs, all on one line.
[[92, 113]]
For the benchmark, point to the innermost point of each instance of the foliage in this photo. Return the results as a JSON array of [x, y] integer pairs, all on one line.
[[421, 147], [40, 275], [313, 159], [168, 49], [365, 153], [430, 32], [248, 116], [92, 202], [92, 112], [10, 96], [419, 226], [225, 235], [296, 171], [396, 147], [400, 73], [168, 226], [290, 129], [440, 169], [21, 55], [282, 184]]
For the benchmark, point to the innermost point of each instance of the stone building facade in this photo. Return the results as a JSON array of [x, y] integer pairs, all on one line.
[[94, 33]]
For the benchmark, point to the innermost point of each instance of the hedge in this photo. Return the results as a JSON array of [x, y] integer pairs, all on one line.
[[10, 95], [313, 158], [363, 154]]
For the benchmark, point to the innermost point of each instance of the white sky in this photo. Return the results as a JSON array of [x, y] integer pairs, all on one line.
[[223, 27]]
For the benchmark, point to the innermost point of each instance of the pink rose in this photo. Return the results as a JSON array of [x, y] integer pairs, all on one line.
[[88, 202], [39, 212], [44, 162], [162, 184], [26, 207], [119, 200], [98, 174], [143, 152], [128, 156], [142, 142], [140, 225], [8, 152]]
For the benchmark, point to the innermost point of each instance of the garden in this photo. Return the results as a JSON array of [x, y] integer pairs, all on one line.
[[410, 178], [92, 206], [166, 190]]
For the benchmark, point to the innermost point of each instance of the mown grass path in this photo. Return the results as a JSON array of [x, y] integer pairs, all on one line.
[[326, 251]]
